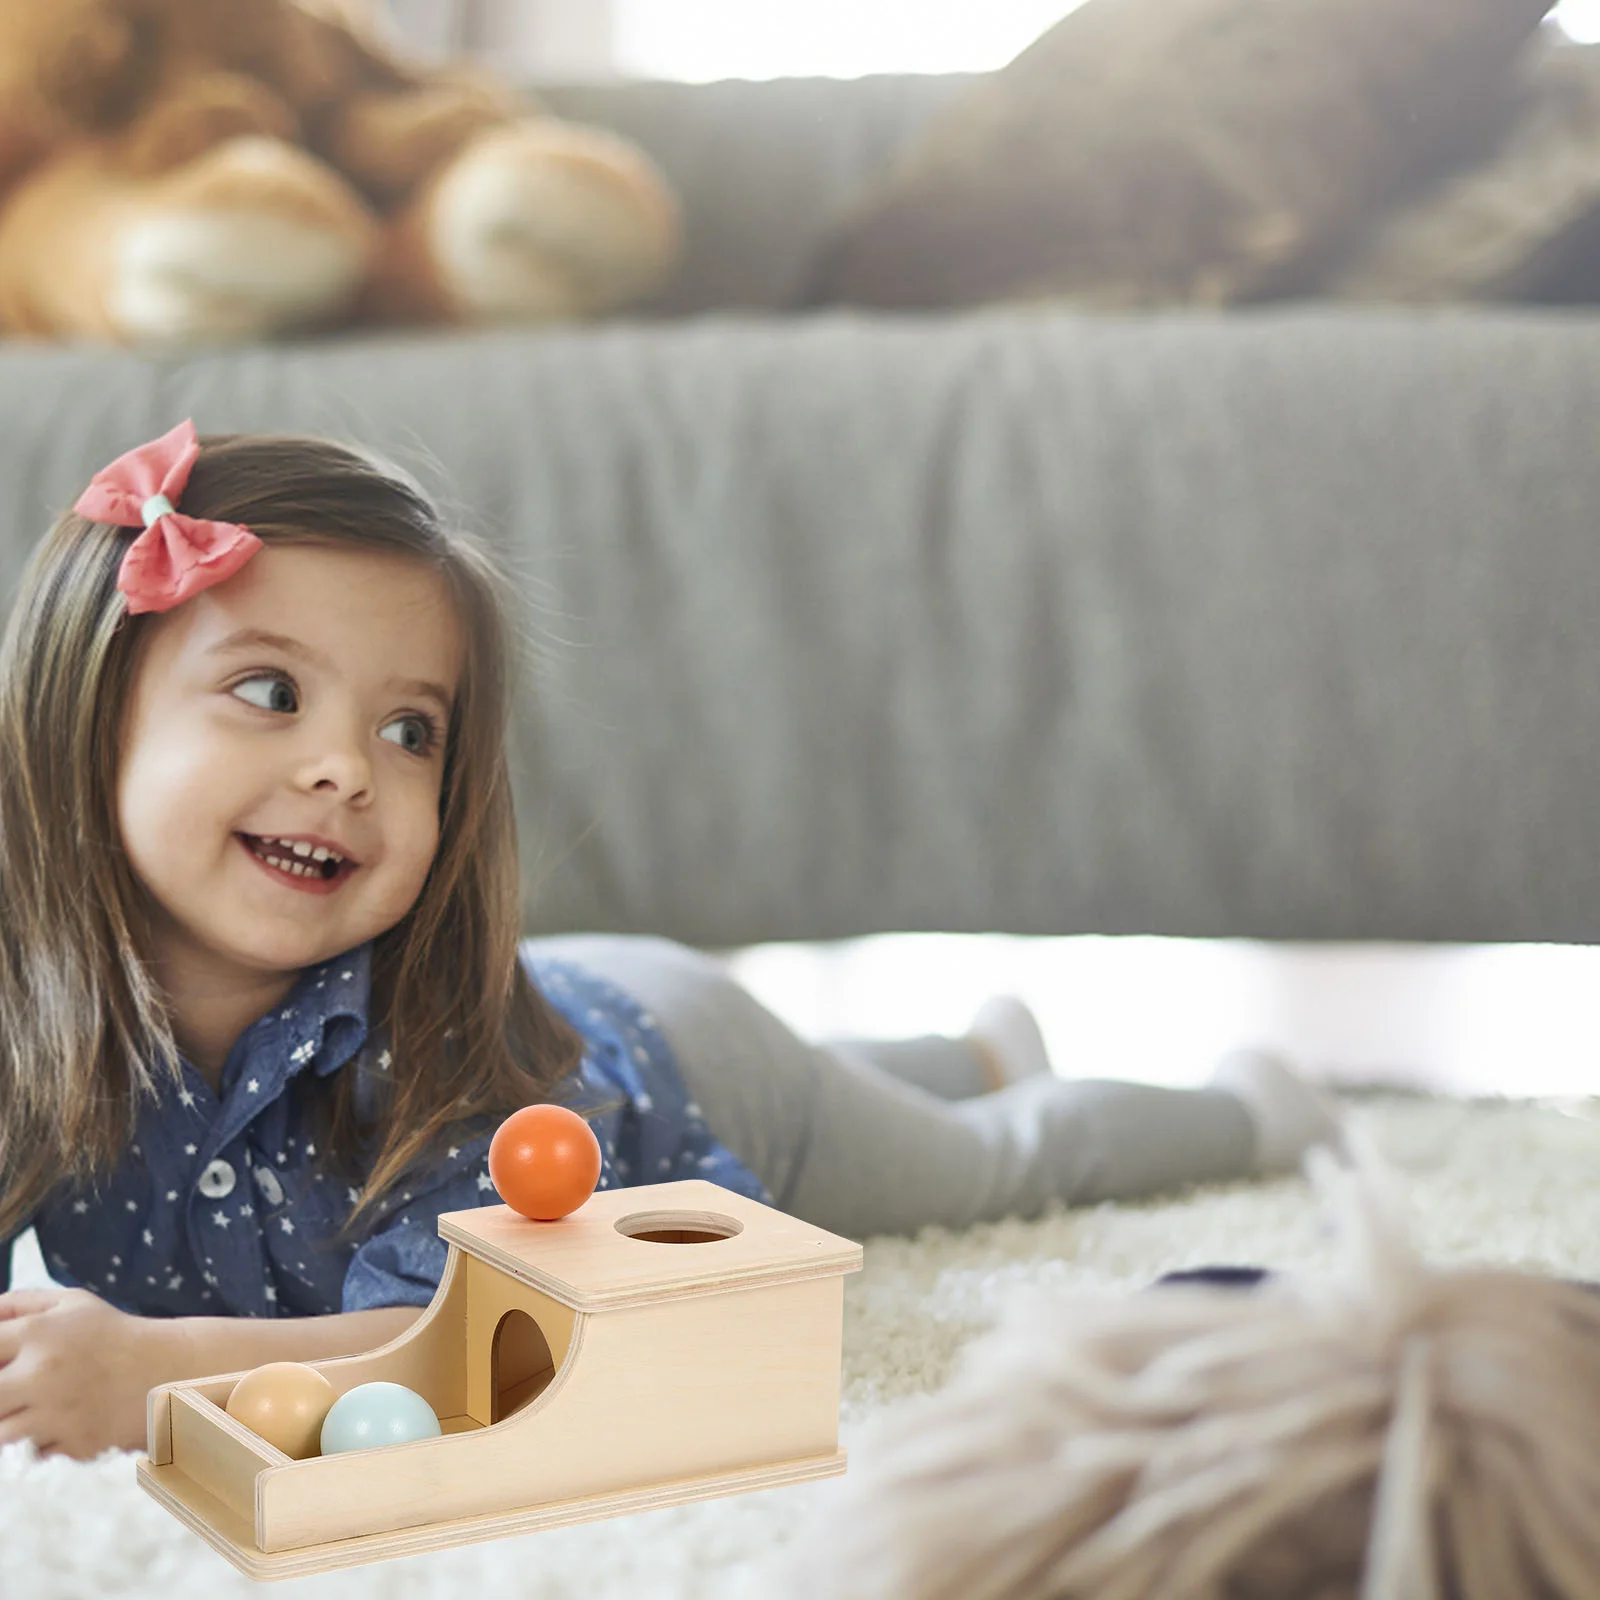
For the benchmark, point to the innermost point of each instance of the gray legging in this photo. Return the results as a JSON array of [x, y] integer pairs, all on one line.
[[864, 1138]]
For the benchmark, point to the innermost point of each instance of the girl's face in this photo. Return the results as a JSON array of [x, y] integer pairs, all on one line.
[[304, 699]]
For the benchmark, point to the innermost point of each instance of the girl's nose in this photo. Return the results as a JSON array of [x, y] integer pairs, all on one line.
[[337, 764], [342, 778]]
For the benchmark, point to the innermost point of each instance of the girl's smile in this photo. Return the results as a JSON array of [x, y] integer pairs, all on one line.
[[310, 869]]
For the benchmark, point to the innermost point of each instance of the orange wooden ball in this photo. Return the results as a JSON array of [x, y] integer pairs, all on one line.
[[285, 1402], [544, 1161]]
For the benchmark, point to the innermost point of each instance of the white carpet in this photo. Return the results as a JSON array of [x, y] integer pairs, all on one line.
[[1499, 1183]]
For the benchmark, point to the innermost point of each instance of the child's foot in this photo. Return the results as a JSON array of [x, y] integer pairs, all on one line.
[[1290, 1116], [1005, 1035]]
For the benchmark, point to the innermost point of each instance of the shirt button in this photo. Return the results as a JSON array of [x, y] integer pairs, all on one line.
[[217, 1181], [267, 1183]]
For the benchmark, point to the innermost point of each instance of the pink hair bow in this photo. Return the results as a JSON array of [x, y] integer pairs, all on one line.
[[175, 556]]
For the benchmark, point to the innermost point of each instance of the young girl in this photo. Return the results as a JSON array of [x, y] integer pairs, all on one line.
[[262, 1001]]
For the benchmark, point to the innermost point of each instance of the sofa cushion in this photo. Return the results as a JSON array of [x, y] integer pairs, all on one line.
[[1168, 151], [1522, 224]]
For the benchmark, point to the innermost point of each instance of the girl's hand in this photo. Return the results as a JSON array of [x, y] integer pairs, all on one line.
[[74, 1371]]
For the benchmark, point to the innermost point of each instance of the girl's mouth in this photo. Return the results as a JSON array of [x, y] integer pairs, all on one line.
[[292, 871]]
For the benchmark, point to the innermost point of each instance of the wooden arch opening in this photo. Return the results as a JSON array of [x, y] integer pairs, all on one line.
[[520, 1364]]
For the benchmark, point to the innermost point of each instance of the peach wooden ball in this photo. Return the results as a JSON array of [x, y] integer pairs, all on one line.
[[285, 1402]]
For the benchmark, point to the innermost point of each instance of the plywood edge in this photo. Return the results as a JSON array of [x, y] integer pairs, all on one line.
[[422, 1329], [675, 1285], [210, 1421], [230, 1537], [212, 1389], [158, 1424], [159, 1401]]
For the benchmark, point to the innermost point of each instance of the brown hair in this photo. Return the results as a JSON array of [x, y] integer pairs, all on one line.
[[84, 1031]]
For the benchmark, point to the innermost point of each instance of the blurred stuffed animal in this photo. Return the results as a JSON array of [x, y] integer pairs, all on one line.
[[1387, 1431], [187, 170]]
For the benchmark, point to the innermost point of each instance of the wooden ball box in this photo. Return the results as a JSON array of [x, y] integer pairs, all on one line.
[[662, 1344]]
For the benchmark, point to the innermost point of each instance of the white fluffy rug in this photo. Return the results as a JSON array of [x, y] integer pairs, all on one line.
[[1507, 1184]]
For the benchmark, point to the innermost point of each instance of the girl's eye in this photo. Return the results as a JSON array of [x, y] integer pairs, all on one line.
[[280, 696], [423, 733]]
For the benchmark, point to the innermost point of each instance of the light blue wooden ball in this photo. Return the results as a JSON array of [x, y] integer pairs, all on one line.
[[374, 1414]]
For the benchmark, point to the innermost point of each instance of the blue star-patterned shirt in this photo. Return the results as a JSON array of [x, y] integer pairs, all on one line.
[[216, 1208]]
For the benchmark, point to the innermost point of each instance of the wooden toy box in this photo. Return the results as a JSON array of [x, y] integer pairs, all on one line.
[[662, 1344]]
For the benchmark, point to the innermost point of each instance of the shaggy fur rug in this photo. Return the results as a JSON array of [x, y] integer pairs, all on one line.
[[1506, 1183]]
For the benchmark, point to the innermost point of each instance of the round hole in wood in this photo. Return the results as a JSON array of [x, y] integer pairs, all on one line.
[[678, 1227]]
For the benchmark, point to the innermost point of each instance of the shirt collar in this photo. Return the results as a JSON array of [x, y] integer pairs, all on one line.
[[324, 1015]]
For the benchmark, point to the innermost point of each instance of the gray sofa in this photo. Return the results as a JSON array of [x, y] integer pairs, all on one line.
[[1279, 624]]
